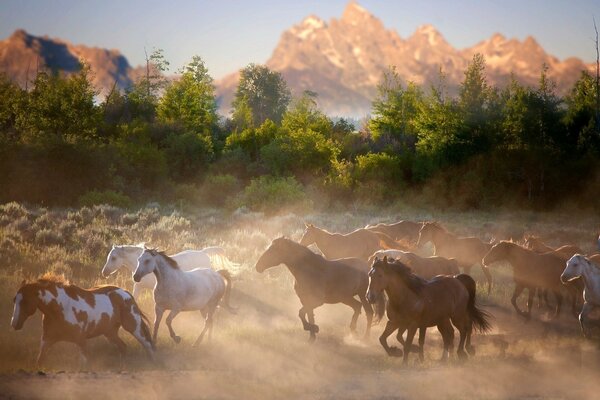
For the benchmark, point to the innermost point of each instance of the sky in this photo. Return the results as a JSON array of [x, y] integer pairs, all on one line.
[[230, 34]]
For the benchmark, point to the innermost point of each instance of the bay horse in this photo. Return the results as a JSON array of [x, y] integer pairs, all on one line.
[[320, 281], [406, 231], [73, 314], [178, 290], [467, 251], [581, 267], [415, 303], [531, 271], [125, 256], [360, 243], [425, 267]]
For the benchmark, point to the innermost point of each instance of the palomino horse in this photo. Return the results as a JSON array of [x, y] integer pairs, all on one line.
[[406, 231], [425, 267], [531, 271], [177, 290], [415, 303], [579, 266], [467, 251], [73, 314], [320, 281], [566, 251], [125, 256], [360, 243]]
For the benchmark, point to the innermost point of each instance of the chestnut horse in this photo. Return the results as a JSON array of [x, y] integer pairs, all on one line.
[[467, 251], [320, 281], [73, 314], [415, 303], [425, 267], [531, 271]]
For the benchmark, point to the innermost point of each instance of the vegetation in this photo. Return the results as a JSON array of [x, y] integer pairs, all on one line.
[[162, 140]]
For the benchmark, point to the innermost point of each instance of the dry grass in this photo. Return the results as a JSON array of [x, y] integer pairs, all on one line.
[[262, 352]]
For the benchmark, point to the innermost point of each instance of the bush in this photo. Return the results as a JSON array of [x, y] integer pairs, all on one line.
[[220, 189], [270, 194], [187, 154], [109, 197]]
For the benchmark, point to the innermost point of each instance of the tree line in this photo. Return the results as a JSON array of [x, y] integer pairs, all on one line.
[[163, 140]]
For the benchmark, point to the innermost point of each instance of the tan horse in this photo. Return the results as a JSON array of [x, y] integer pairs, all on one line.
[[405, 231], [467, 251], [531, 271], [360, 243]]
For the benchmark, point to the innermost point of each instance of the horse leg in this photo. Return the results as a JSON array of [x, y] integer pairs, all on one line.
[[121, 346], [356, 305], [168, 321], [410, 335], [390, 327], [583, 320], [517, 292], [369, 313], [530, 294], [314, 329], [558, 297], [208, 322], [134, 324], [83, 354], [470, 349], [158, 312], [462, 354], [422, 331], [447, 331], [44, 346], [414, 348], [488, 277]]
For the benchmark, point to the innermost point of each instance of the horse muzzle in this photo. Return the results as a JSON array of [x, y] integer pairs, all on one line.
[[371, 297], [136, 278], [17, 325]]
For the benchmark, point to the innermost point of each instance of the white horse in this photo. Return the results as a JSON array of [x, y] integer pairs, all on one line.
[[177, 290], [579, 266], [126, 256]]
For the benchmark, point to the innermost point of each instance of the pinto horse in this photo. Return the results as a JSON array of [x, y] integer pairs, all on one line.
[[467, 251], [360, 243], [320, 281], [177, 290], [580, 267], [73, 314], [125, 256], [425, 267], [415, 303]]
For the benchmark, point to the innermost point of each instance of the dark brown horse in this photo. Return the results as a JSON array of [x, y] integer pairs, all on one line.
[[415, 303], [531, 271], [404, 231], [425, 267], [320, 281], [467, 251], [360, 243]]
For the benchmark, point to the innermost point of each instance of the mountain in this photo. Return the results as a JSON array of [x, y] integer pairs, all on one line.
[[344, 59], [22, 54]]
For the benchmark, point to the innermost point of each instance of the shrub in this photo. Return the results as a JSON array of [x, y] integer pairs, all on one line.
[[109, 197], [220, 189], [48, 237], [270, 194]]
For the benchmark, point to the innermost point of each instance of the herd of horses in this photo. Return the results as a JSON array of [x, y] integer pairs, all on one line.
[[377, 269]]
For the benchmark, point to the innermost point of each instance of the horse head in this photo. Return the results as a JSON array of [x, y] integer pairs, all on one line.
[[272, 256], [574, 268], [377, 279], [498, 252], [427, 232], [146, 264], [308, 237], [25, 304], [112, 262]]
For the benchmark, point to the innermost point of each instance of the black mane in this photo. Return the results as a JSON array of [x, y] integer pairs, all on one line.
[[414, 282], [168, 259]]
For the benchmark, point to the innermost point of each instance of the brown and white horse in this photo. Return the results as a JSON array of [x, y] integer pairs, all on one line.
[[73, 314]]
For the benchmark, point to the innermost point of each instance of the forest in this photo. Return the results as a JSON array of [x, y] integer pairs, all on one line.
[[163, 140]]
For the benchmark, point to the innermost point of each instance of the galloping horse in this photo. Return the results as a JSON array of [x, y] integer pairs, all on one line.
[[566, 251], [73, 314], [407, 231], [415, 303], [360, 243], [425, 267], [126, 256], [467, 251], [320, 281], [177, 290], [579, 266], [531, 271]]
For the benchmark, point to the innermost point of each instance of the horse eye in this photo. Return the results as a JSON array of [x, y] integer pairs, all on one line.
[[113, 258]]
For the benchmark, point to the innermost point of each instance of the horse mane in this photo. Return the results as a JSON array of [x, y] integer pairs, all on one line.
[[436, 225], [172, 263], [305, 251], [414, 282], [52, 278]]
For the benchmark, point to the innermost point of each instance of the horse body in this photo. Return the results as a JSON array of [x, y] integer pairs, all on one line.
[[178, 290], [531, 271], [74, 314], [360, 243], [126, 256], [415, 303], [580, 267], [425, 267], [467, 251], [320, 281]]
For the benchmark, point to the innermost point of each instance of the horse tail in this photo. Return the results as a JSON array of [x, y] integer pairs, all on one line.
[[144, 323], [217, 257], [480, 319], [225, 300]]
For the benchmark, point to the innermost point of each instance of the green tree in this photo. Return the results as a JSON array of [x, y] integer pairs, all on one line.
[[143, 96], [11, 97], [580, 116], [264, 92], [304, 115]]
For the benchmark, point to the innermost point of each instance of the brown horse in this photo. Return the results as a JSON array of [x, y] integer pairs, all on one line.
[[320, 281], [566, 251], [360, 243], [415, 303], [73, 314], [531, 271], [425, 267], [467, 251], [405, 231]]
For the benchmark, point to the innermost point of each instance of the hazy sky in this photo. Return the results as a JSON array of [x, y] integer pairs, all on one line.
[[230, 34]]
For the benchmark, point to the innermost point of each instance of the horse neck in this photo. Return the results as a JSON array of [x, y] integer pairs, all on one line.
[[591, 278], [322, 238], [131, 254], [440, 238], [165, 274], [398, 292], [297, 260]]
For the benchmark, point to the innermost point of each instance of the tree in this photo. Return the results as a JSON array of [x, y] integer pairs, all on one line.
[[143, 95], [580, 118], [304, 114], [11, 97], [190, 101], [264, 92]]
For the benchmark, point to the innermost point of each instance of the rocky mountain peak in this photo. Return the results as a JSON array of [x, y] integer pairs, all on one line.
[[354, 13]]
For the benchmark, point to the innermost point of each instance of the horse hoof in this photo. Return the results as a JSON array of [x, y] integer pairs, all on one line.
[[315, 329], [312, 339], [471, 350], [462, 355], [177, 339], [395, 352]]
